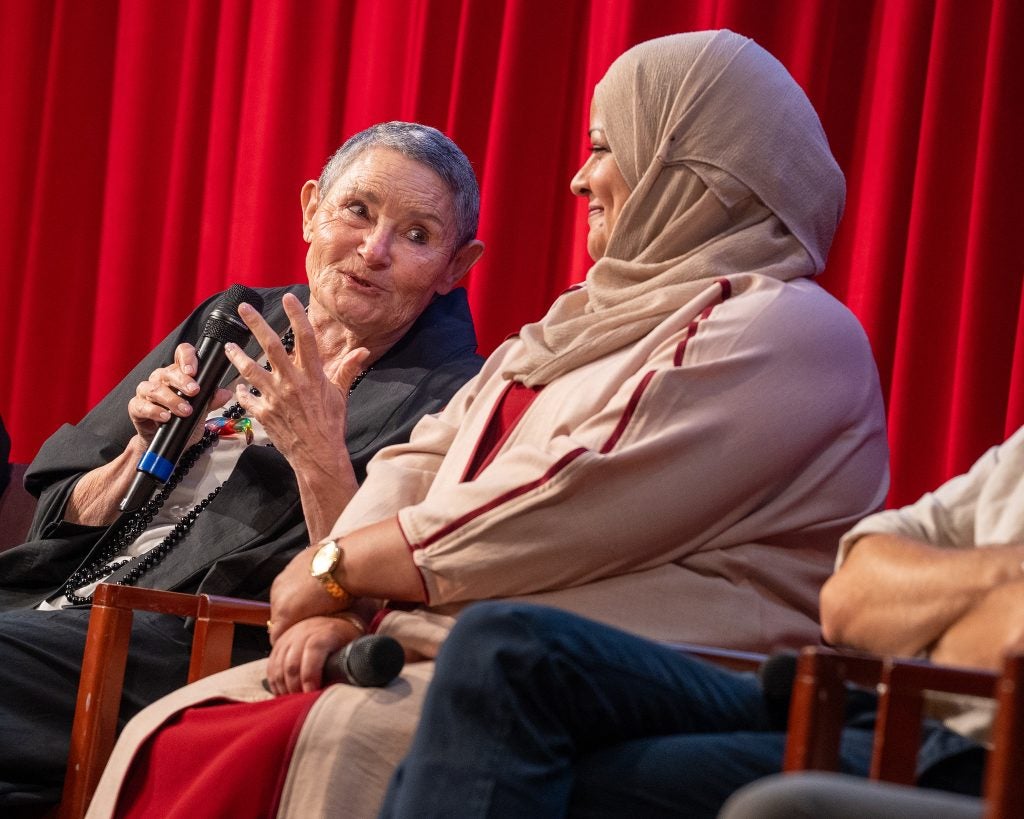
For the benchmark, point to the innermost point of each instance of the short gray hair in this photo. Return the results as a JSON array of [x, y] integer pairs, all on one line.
[[423, 144]]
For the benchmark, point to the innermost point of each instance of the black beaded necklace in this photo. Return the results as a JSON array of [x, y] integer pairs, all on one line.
[[130, 527]]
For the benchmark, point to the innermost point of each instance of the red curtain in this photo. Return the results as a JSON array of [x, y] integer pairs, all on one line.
[[153, 154]]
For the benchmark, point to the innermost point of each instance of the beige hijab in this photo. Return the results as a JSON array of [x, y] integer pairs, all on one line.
[[730, 173]]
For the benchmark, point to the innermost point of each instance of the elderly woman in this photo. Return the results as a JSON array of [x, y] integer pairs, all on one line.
[[384, 339], [674, 448]]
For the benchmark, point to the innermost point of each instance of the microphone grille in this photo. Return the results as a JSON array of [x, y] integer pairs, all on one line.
[[224, 325], [776, 675], [374, 660], [238, 293]]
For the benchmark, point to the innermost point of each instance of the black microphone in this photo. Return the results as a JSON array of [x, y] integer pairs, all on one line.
[[224, 325], [370, 661], [776, 675]]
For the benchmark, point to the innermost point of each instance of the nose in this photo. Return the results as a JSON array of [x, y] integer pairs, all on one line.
[[580, 183], [375, 249]]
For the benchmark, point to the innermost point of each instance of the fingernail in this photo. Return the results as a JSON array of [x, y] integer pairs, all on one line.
[[231, 346], [191, 386], [188, 369], [245, 307], [184, 408], [165, 416]]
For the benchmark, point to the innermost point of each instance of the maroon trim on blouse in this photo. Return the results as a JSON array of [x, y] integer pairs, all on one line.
[[569, 457], [627, 414], [377, 618], [559, 465], [495, 409], [691, 329], [410, 549], [634, 399]]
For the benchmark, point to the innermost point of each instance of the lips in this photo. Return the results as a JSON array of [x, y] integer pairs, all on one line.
[[361, 282]]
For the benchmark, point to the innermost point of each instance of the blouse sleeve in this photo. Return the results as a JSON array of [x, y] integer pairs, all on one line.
[[401, 475], [765, 419]]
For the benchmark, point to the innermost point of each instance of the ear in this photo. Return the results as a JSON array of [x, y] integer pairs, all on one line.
[[310, 199], [466, 256]]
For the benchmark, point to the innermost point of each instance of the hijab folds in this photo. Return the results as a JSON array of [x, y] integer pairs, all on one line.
[[730, 173]]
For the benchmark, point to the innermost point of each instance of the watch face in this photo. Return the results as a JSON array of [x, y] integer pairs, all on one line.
[[325, 559]]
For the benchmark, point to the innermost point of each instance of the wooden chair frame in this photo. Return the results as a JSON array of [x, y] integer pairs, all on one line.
[[106, 656], [819, 697], [815, 718]]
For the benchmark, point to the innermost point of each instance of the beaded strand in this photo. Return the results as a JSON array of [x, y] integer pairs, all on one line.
[[130, 528]]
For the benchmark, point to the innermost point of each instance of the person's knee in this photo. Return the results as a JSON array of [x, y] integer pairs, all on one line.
[[498, 637], [485, 624]]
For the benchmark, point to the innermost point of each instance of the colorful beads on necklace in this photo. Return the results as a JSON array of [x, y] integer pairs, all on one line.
[[226, 427]]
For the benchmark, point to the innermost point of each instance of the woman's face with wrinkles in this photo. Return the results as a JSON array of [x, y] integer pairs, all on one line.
[[381, 243]]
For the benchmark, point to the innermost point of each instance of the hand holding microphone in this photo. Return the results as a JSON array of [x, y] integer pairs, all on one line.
[[370, 661], [172, 436]]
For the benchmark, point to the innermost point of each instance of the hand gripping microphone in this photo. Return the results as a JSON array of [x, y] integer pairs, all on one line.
[[223, 326], [373, 660], [370, 661]]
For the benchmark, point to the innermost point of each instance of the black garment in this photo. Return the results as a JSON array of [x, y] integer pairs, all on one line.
[[237, 546], [5, 454]]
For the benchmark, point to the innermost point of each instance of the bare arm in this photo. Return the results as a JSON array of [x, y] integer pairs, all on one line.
[[896, 595], [375, 563], [991, 629], [94, 500]]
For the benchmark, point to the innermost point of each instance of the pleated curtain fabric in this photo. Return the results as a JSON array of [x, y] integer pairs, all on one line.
[[152, 154]]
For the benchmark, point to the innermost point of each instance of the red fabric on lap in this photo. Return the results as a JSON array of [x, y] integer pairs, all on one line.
[[215, 761]]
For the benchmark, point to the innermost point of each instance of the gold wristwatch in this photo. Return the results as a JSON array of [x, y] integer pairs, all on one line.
[[325, 560]]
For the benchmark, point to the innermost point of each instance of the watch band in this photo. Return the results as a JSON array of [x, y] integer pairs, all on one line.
[[335, 589], [325, 573]]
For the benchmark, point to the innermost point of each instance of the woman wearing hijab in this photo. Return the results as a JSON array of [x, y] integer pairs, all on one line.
[[674, 449]]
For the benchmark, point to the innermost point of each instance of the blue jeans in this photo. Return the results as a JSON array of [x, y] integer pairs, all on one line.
[[537, 712]]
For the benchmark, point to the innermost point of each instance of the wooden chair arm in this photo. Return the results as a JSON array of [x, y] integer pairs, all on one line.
[[103, 667], [215, 631]]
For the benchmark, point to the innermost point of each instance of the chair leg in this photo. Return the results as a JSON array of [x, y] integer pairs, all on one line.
[[211, 647], [102, 680], [99, 698], [1004, 784], [815, 714], [898, 729]]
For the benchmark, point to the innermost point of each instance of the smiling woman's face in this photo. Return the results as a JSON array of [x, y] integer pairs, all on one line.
[[381, 243], [601, 181]]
